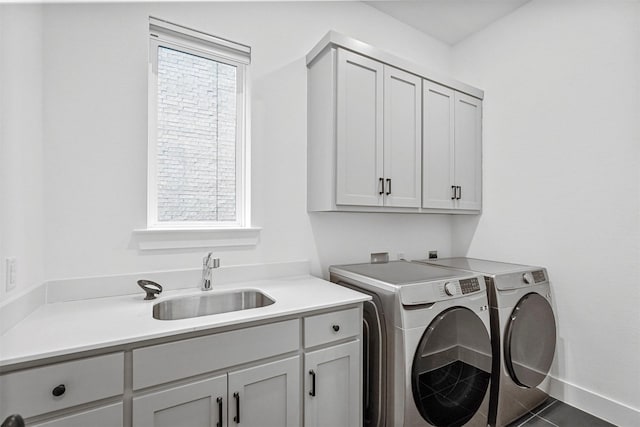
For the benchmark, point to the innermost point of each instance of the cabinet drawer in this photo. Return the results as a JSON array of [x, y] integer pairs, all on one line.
[[105, 416], [325, 328], [31, 392], [182, 359]]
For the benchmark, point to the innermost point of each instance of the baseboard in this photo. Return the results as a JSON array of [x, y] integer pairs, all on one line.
[[596, 404]]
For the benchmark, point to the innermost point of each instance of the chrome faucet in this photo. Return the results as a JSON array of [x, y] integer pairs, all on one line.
[[208, 264]]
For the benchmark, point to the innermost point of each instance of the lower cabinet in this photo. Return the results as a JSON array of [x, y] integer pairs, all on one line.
[[266, 395], [333, 386], [247, 377], [43, 392], [60, 386], [198, 404], [262, 396], [105, 416]]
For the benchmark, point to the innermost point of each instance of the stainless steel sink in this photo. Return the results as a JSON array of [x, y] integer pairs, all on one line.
[[206, 304]]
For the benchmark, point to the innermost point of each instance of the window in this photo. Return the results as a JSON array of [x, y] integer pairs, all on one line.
[[198, 174]]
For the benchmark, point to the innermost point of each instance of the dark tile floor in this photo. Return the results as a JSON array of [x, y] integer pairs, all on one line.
[[559, 414]]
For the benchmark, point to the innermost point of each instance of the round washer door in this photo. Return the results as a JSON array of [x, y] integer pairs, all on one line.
[[451, 368], [530, 340]]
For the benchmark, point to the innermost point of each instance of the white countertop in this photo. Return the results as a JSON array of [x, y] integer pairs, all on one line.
[[63, 328]]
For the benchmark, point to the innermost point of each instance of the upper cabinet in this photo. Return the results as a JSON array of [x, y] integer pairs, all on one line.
[[359, 124], [452, 149], [377, 134], [467, 143], [383, 139], [402, 138]]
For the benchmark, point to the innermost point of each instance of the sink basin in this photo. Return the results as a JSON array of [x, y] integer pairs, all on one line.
[[206, 304]]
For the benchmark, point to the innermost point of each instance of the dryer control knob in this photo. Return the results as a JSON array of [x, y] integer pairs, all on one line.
[[450, 288], [527, 278]]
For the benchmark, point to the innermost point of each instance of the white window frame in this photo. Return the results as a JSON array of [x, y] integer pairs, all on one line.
[[173, 36]]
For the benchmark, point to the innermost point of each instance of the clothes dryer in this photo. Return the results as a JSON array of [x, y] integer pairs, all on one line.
[[523, 334], [427, 348]]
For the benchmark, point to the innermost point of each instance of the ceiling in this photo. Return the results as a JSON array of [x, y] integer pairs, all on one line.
[[448, 20]]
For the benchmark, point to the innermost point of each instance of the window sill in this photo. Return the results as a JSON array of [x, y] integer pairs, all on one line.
[[149, 239]]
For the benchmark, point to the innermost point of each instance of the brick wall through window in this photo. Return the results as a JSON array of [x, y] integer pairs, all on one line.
[[196, 141]]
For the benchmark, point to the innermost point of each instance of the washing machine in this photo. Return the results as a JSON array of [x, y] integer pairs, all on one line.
[[427, 346], [523, 333]]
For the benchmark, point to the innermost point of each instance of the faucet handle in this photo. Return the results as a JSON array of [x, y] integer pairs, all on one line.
[[207, 259], [210, 262]]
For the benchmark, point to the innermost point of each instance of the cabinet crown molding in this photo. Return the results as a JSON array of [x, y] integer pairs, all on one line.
[[335, 39]]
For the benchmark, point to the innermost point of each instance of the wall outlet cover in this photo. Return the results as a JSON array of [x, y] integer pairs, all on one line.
[[379, 257], [10, 273]]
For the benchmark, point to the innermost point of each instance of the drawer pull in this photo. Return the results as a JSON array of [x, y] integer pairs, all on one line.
[[14, 420], [336, 328], [59, 390]]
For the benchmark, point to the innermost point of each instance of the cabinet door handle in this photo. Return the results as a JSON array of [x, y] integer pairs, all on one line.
[[388, 186], [236, 396], [219, 423], [313, 383], [381, 184], [453, 192], [459, 196]]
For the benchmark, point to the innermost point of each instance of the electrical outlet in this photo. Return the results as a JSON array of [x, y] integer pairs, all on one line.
[[401, 256], [11, 273], [433, 254]]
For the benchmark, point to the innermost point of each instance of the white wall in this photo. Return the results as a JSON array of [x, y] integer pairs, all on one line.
[[561, 154], [561, 180], [96, 135], [21, 170]]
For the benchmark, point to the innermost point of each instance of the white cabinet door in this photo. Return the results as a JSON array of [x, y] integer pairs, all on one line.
[[105, 416], [402, 138], [359, 135], [452, 149], [438, 149], [468, 151], [332, 387], [267, 395], [197, 404]]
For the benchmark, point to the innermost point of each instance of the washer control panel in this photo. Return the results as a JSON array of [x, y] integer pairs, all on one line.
[[468, 286], [462, 287], [539, 276], [534, 277]]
